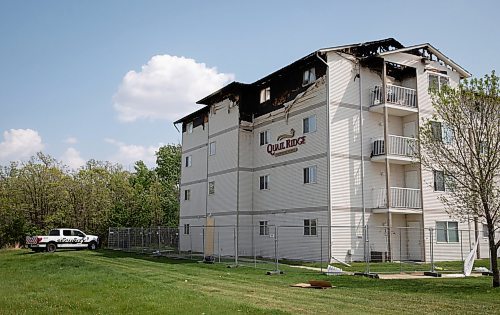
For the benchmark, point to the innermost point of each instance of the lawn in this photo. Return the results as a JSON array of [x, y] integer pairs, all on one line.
[[109, 282]]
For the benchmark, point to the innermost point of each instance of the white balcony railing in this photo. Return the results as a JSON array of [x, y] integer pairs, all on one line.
[[400, 198], [395, 95], [403, 146]]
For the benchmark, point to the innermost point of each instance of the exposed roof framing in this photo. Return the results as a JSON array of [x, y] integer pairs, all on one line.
[[430, 52]]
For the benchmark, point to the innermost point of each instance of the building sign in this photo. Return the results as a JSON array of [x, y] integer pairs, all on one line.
[[287, 144]]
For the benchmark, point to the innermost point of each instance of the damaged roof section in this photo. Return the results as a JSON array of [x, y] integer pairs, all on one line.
[[287, 83]]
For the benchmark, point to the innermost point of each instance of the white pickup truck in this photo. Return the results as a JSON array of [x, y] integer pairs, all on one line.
[[62, 238]]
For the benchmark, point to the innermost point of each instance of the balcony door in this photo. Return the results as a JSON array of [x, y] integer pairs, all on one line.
[[409, 129], [411, 179]]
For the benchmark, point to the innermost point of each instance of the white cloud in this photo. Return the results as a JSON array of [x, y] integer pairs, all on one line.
[[167, 87], [19, 144], [72, 158], [128, 154], [71, 140]]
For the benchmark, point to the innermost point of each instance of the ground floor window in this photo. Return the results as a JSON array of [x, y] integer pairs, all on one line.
[[447, 231], [485, 230], [263, 228], [186, 229], [310, 227]]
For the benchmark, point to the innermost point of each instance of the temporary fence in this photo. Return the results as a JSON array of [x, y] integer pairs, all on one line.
[[309, 248]]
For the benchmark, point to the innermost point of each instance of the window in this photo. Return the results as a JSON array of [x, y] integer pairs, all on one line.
[[437, 133], [485, 230], [54, 233], [187, 194], [211, 188], [264, 182], [211, 148], [189, 161], [66, 232], [189, 127], [263, 228], [442, 132], [310, 227], [310, 175], [309, 124], [447, 231], [78, 233], [436, 82], [309, 76], [439, 184], [265, 137], [265, 94], [186, 229]]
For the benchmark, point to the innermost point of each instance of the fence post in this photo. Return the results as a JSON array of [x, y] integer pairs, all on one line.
[[400, 251], [431, 231], [218, 243], [128, 235], [236, 236], [462, 250], [142, 239], [276, 247], [118, 238], [159, 239], [253, 246], [321, 248], [367, 262], [203, 240], [190, 244]]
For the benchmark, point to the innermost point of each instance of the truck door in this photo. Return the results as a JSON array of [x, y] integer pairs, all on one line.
[[80, 239], [66, 240]]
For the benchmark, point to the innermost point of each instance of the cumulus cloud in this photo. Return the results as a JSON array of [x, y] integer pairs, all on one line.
[[128, 154], [167, 87], [72, 158], [18, 144], [71, 140]]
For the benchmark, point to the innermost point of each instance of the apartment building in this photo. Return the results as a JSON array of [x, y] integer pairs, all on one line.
[[327, 141]]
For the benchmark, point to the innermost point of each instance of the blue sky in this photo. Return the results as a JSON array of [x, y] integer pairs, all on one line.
[[78, 79]]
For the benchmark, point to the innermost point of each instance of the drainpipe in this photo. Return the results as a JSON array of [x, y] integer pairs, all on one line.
[[238, 192], [328, 155], [363, 215], [387, 166]]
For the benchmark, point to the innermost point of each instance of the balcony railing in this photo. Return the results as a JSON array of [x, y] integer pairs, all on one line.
[[395, 95], [403, 146], [400, 198]]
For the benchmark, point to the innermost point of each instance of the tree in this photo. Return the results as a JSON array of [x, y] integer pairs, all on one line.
[[462, 140], [168, 161]]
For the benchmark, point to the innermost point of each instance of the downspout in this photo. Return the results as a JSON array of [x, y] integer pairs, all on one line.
[[238, 193], [328, 155], [363, 215]]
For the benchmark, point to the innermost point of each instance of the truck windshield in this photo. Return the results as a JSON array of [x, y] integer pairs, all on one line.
[[54, 233]]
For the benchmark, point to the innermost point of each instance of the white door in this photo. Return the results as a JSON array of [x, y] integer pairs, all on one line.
[[411, 179], [410, 129], [414, 240]]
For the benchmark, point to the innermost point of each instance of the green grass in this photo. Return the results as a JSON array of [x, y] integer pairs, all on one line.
[[108, 282], [396, 267]]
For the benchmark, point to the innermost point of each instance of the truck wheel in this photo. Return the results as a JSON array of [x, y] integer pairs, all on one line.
[[51, 247], [93, 246]]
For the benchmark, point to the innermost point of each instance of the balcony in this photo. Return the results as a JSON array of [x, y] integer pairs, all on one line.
[[403, 200], [402, 150], [399, 101]]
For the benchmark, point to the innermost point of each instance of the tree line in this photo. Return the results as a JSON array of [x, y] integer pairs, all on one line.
[[42, 193]]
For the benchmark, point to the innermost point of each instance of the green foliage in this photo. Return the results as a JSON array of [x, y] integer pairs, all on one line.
[[468, 153], [41, 194]]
